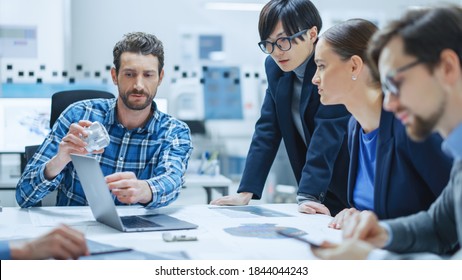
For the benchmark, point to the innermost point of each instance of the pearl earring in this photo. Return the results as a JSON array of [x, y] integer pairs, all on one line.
[[353, 78]]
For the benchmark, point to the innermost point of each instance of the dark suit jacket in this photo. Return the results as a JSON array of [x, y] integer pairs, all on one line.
[[409, 175], [321, 166], [438, 230]]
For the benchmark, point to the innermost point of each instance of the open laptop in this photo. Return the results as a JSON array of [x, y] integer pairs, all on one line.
[[102, 203]]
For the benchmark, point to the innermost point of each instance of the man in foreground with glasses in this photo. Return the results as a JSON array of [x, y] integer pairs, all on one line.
[[315, 136], [419, 58]]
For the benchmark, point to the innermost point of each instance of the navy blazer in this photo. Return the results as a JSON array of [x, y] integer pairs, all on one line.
[[321, 166], [409, 175]]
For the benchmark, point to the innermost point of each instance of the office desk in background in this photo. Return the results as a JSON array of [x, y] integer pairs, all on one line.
[[8, 183], [223, 232], [208, 182], [9, 176]]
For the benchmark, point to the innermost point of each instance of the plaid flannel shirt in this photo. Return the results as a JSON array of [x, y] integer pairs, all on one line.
[[158, 153]]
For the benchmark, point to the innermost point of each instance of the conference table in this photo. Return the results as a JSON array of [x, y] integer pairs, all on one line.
[[223, 233]]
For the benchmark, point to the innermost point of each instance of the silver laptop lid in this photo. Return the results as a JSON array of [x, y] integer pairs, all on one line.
[[96, 190]]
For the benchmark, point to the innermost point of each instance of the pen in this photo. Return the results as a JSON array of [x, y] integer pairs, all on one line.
[[284, 233], [111, 251]]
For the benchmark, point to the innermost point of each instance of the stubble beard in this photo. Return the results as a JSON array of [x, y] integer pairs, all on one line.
[[133, 106], [422, 128]]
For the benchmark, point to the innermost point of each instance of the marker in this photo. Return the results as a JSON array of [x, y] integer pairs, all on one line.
[[285, 233], [111, 251]]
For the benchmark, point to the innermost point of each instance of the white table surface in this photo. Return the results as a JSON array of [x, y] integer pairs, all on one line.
[[213, 242]]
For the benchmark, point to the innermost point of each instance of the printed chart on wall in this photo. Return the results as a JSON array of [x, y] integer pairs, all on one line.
[[23, 122]]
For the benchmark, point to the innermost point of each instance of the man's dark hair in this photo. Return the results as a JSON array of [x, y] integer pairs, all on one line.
[[141, 43], [426, 32], [295, 15]]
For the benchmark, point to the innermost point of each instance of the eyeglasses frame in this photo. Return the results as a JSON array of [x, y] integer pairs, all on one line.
[[290, 38], [389, 85]]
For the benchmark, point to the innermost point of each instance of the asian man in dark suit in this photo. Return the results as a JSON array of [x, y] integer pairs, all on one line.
[[315, 136]]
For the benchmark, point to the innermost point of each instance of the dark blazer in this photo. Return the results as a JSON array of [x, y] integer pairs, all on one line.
[[321, 166], [409, 175], [438, 230]]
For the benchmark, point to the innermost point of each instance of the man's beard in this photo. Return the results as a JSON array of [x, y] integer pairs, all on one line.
[[423, 128], [137, 107]]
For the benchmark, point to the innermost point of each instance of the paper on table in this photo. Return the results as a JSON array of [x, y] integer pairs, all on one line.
[[103, 251], [248, 212], [43, 216]]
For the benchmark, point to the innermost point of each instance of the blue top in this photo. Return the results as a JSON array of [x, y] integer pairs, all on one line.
[[452, 144], [321, 165], [5, 253], [409, 175], [157, 153], [363, 194]]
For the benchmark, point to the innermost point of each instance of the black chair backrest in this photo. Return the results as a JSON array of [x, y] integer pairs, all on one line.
[[196, 127], [28, 154], [61, 100]]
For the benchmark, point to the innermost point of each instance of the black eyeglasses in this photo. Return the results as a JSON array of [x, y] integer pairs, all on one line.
[[283, 43], [390, 85]]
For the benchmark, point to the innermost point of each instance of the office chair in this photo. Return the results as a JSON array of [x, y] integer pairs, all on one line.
[[29, 152], [196, 127], [59, 102]]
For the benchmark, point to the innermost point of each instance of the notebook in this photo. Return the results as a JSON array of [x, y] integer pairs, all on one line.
[[103, 251], [102, 203]]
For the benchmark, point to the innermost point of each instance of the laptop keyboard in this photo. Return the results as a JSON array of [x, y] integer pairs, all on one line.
[[137, 222]]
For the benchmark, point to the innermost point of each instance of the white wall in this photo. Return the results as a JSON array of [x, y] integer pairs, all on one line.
[[84, 32], [50, 18], [381, 10], [98, 25]]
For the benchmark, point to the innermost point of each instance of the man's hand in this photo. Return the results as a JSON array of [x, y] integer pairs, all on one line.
[[339, 220], [128, 188], [72, 143], [311, 207], [348, 250], [361, 233], [365, 226], [234, 200], [61, 243]]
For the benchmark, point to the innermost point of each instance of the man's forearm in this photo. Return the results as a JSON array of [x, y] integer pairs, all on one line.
[[53, 167]]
